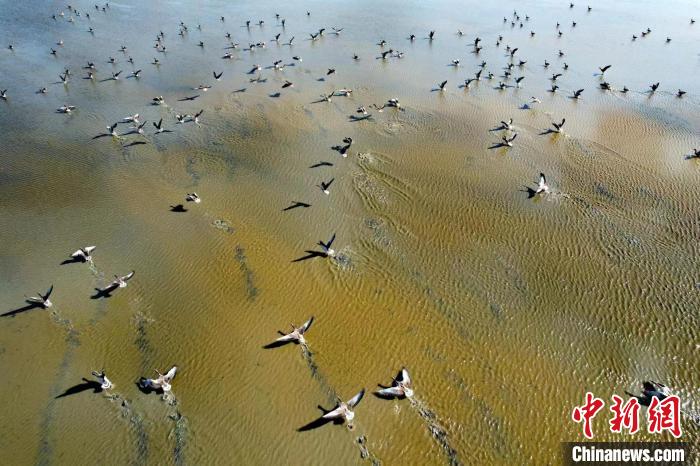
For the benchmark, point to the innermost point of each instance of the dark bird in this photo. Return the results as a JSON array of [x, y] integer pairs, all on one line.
[[330, 71], [680, 93], [442, 85], [325, 185], [654, 87], [605, 68], [217, 76], [577, 93], [558, 126]]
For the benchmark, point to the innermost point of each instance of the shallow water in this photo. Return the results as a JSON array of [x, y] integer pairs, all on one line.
[[505, 309]]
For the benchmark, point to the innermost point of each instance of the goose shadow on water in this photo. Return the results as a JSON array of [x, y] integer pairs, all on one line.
[[238, 91], [354, 119], [135, 143], [82, 387], [178, 208], [310, 255], [548, 131], [74, 260], [316, 423], [105, 293], [28, 307], [530, 192], [498, 145], [103, 135]]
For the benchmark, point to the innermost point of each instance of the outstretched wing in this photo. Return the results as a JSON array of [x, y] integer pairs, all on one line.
[[48, 293], [306, 325], [355, 400]]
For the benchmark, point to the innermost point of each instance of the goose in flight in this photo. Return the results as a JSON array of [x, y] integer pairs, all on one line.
[[325, 185], [654, 87], [83, 254], [42, 299], [131, 118], [507, 125], [542, 187], [508, 142], [217, 76], [296, 335], [558, 126], [651, 390], [605, 68], [3, 94], [121, 281], [401, 386], [344, 409], [162, 382], [104, 382], [193, 197], [158, 100], [442, 86], [577, 94], [159, 127], [66, 108]]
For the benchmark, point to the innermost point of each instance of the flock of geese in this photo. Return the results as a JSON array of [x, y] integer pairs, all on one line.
[[401, 386]]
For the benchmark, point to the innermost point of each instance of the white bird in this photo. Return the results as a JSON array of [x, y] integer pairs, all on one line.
[[131, 118], [193, 197], [105, 383], [66, 108], [400, 386], [297, 334], [84, 254], [542, 186], [344, 408], [162, 382], [43, 299], [507, 124], [121, 281]]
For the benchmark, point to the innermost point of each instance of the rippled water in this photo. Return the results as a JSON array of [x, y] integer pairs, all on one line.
[[505, 309]]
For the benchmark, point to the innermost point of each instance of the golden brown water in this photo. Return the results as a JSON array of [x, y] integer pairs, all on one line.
[[505, 309]]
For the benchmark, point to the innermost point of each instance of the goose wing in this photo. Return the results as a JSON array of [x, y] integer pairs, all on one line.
[[128, 276], [355, 400], [335, 414], [48, 293], [390, 392], [170, 375], [306, 325]]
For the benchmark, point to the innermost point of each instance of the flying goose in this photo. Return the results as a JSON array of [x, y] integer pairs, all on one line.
[[42, 299], [120, 282], [162, 382], [84, 254], [344, 410], [542, 187], [401, 386], [651, 390], [296, 335], [105, 383], [507, 125], [193, 197], [325, 185], [558, 126], [577, 94], [508, 142]]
